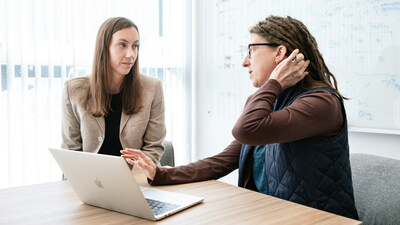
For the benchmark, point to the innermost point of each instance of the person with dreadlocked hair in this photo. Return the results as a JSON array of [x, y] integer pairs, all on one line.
[[291, 140]]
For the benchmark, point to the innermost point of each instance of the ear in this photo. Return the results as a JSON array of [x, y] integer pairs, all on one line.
[[280, 54]]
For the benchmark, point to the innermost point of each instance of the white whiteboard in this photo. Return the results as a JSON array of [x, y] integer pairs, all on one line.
[[360, 42]]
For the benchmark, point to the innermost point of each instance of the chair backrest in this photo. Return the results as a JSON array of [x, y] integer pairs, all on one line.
[[376, 182], [168, 159]]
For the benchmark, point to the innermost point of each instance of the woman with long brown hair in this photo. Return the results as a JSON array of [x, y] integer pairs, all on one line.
[[115, 107]]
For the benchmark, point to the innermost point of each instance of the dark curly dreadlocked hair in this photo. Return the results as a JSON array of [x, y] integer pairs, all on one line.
[[293, 34]]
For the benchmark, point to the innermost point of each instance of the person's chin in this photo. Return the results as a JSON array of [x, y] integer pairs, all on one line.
[[255, 84], [125, 72]]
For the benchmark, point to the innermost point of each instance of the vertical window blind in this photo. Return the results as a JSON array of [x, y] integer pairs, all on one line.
[[45, 42]]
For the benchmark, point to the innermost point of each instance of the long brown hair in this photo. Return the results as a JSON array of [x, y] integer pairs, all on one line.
[[293, 34], [98, 98]]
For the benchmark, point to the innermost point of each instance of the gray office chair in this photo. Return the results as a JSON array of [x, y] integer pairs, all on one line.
[[376, 182], [168, 157]]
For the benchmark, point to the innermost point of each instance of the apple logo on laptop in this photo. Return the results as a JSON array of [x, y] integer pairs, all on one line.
[[98, 183]]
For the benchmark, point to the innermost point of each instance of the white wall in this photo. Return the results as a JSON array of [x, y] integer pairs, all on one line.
[[212, 134], [386, 145]]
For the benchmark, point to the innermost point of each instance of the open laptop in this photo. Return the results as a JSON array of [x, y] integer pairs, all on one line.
[[106, 181]]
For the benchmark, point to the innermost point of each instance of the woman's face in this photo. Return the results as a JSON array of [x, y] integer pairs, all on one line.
[[262, 61], [123, 51]]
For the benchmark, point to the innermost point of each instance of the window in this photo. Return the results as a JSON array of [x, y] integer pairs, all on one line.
[[45, 42]]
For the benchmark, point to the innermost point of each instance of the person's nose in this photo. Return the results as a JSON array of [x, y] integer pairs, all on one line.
[[130, 52], [246, 61]]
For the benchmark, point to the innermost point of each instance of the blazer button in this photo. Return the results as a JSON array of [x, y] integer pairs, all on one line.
[[100, 139]]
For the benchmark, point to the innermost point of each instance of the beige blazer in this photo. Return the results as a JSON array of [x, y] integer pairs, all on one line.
[[144, 130]]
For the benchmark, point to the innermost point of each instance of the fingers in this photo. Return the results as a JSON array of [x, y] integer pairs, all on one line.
[[131, 156], [132, 153], [293, 54], [138, 156], [291, 70], [303, 66], [299, 58], [130, 161], [145, 166], [296, 57]]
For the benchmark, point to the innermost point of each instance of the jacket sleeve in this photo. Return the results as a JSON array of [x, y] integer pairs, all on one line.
[[206, 169], [70, 125], [155, 131]]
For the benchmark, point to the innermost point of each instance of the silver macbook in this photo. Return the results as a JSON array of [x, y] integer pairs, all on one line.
[[106, 181]]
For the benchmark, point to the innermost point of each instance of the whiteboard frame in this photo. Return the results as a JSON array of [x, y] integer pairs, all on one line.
[[373, 130]]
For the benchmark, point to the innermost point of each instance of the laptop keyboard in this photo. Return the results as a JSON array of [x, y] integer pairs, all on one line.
[[159, 207]]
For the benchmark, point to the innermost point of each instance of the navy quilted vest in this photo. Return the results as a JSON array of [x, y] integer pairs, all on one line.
[[308, 172]]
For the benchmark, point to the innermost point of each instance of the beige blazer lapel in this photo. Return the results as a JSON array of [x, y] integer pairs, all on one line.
[[102, 123], [124, 121]]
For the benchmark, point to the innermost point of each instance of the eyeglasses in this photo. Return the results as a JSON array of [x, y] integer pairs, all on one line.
[[258, 44]]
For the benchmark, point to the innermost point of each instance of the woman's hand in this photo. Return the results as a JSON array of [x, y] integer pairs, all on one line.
[[291, 70], [138, 158]]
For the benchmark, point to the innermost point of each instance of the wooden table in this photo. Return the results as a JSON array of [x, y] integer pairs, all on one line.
[[56, 203]]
